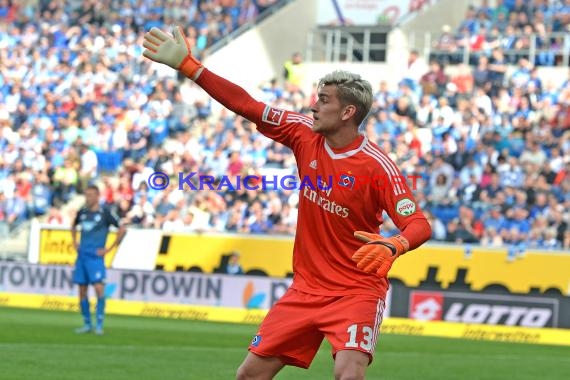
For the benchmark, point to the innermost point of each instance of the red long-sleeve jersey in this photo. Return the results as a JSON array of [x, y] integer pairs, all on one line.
[[346, 190]]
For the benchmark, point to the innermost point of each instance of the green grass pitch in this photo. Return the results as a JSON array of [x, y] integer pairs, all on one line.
[[41, 345]]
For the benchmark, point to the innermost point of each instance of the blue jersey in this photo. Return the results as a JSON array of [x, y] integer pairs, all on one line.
[[94, 230]]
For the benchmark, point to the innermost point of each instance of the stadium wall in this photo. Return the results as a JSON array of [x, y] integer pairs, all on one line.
[[431, 20], [392, 71], [471, 267], [258, 55]]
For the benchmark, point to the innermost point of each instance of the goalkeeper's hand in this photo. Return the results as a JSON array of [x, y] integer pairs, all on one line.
[[378, 254], [174, 52]]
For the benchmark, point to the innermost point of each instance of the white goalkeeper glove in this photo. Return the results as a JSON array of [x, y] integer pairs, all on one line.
[[174, 52]]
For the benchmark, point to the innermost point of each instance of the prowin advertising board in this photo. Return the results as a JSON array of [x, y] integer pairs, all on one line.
[[183, 288]]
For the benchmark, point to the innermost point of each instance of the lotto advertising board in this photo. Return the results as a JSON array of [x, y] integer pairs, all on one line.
[[491, 307]]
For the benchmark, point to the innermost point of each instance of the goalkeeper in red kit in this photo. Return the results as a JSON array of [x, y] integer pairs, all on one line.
[[340, 263]]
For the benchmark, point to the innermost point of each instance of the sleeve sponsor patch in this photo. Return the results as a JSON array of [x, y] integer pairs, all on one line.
[[272, 115], [405, 207]]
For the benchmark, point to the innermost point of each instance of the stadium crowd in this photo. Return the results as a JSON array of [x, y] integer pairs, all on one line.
[[79, 104], [516, 27]]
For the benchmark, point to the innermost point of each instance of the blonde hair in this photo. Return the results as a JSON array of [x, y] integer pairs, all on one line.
[[351, 90]]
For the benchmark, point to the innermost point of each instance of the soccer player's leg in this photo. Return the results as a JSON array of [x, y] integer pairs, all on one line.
[[81, 279], [96, 273], [350, 364], [287, 336], [259, 367], [351, 325]]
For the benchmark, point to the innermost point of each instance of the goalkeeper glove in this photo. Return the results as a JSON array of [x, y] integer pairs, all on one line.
[[378, 254], [174, 52]]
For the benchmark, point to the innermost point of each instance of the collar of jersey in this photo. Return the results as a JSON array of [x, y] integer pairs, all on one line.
[[348, 153]]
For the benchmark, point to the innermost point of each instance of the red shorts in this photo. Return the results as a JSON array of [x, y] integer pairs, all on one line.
[[294, 328]]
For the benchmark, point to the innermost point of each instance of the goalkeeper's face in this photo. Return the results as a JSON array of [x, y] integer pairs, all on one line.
[[329, 113]]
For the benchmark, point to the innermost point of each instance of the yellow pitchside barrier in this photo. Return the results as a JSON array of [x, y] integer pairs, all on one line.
[[545, 336], [272, 255]]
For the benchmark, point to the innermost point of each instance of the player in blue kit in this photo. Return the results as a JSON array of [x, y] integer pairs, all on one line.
[[94, 222]]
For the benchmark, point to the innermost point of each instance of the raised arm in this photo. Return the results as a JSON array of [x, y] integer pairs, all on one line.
[[176, 53], [286, 127]]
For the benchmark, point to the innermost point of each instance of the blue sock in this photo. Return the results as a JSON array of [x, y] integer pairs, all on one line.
[[84, 305], [100, 311]]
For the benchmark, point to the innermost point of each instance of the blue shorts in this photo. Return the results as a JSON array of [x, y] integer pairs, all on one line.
[[89, 271]]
